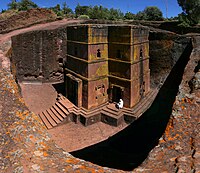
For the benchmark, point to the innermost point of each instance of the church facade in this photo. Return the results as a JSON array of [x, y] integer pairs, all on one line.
[[105, 63]]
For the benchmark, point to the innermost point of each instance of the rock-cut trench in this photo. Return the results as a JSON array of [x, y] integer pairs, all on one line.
[[129, 148]]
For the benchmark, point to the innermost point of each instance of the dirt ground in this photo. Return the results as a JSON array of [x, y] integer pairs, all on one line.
[[37, 96], [72, 137]]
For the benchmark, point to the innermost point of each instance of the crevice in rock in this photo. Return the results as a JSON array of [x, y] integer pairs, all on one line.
[[176, 165], [197, 68], [129, 148]]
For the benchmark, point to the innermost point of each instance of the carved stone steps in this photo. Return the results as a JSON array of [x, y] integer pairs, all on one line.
[[66, 103], [53, 116], [113, 112], [92, 112], [45, 121], [61, 110], [111, 119], [57, 114], [113, 108], [50, 119]]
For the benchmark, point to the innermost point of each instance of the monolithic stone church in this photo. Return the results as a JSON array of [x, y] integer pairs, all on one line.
[[98, 63], [106, 63]]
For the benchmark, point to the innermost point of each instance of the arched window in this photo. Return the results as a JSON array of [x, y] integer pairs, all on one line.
[[99, 53]]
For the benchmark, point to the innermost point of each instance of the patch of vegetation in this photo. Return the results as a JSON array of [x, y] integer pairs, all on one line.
[[8, 13], [189, 16], [65, 11], [22, 5], [83, 17], [191, 12]]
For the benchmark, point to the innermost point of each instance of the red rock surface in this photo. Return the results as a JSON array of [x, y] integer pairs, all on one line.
[[26, 147], [179, 148], [25, 144], [26, 18]]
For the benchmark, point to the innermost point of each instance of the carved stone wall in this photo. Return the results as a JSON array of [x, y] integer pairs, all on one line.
[[128, 55], [39, 55], [87, 59], [100, 56]]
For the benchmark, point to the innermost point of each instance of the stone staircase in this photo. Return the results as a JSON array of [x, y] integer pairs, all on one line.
[[110, 112], [64, 111], [55, 115]]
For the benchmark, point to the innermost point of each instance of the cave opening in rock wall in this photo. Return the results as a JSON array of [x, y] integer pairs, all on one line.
[[129, 148]]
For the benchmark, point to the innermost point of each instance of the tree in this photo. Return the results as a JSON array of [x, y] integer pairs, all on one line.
[[13, 5], [2, 11], [140, 16], [191, 11], [26, 5], [184, 21], [66, 10], [83, 17], [98, 12], [57, 9], [153, 13], [81, 10], [129, 16], [115, 14]]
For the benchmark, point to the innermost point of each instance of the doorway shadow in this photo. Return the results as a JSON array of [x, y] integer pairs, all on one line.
[[60, 88], [129, 148]]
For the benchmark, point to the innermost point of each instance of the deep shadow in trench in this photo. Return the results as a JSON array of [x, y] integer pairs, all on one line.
[[130, 147]]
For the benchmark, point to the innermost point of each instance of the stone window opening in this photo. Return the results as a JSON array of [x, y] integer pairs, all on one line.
[[143, 86], [119, 54], [100, 91], [60, 60], [99, 53], [141, 54], [99, 87], [75, 51]]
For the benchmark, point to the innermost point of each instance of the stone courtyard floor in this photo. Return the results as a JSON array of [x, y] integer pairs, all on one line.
[[70, 136]]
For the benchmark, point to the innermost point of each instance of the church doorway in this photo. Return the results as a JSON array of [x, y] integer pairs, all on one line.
[[117, 93], [73, 92], [74, 89]]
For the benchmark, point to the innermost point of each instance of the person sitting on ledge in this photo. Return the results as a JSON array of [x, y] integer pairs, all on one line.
[[120, 104]]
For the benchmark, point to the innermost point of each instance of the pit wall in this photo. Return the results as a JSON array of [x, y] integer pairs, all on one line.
[[39, 55], [165, 50]]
